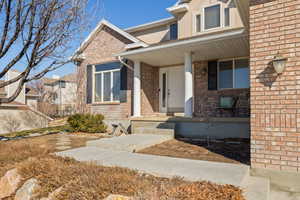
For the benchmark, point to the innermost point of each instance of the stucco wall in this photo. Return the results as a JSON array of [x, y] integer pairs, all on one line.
[[153, 35], [21, 119], [186, 21]]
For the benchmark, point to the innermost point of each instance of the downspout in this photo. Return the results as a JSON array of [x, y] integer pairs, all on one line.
[[124, 63]]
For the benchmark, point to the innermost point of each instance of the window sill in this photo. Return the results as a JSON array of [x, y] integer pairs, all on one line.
[[226, 89], [106, 103]]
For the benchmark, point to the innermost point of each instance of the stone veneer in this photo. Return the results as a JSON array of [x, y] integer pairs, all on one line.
[[275, 99], [206, 101]]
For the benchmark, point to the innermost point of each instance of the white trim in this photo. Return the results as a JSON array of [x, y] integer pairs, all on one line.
[[102, 85], [178, 8], [103, 23], [221, 17], [135, 45], [233, 71], [203, 40], [151, 24], [195, 22]]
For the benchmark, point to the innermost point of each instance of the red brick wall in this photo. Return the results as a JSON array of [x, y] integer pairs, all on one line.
[[101, 50], [150, 90], [206, 101], [275, 99]]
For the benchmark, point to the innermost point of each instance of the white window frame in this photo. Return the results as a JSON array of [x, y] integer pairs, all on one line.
[[233, 70], [195, 22], [102, 85], [222, 17]]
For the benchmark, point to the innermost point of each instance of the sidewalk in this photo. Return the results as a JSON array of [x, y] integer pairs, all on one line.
[[192, 170]]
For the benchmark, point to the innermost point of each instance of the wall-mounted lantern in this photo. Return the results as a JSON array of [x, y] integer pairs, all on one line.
[[279, 63]]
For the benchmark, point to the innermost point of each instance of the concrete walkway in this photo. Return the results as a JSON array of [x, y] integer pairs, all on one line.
[[192, 170], [129, 143]]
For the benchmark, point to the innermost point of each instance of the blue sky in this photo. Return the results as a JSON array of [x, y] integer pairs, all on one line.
[[122, 13]]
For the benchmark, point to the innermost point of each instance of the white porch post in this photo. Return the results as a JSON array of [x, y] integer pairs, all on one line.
[[137, 89], [188, 107]]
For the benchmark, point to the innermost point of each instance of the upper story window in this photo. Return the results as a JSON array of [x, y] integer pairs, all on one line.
[[234, 74], [227, 17], [107, 82], [174, 31], [212, 17]]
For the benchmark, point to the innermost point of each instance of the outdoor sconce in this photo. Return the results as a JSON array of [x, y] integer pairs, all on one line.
[[279, 63]]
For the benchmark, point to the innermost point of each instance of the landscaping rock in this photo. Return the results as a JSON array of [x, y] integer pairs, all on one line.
[[9, 183], [27, 190], [117, 197]]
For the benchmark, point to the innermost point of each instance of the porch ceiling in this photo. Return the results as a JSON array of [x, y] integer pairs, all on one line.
[[227, 44]]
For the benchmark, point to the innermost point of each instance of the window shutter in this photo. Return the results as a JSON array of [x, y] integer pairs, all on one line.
[[123, 89], [89, 84], [213, 75]]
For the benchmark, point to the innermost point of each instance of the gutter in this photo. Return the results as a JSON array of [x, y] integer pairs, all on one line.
[[124, 63], [204, 40]]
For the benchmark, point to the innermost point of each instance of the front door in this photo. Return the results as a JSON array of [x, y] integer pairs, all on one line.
[[172, 89]]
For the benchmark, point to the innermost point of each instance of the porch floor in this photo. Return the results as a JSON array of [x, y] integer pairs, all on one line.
[[178, 118]]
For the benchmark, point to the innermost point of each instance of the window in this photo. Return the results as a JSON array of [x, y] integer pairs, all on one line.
[[227, 17], [174, 31], [62, 84], [212, 17], [234, 74], [107, 83], [198, 23]]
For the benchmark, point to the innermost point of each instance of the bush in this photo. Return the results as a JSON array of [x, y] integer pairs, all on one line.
[[87, 123]]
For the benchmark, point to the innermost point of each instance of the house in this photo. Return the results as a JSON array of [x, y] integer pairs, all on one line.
[[21, 114], [196, 70], [61, 92]]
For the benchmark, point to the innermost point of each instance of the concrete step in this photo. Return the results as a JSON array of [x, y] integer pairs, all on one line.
[[152, 127], [256, 188], [129, 143]]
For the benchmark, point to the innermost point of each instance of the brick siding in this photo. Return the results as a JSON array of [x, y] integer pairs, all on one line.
[[207, 101], [101, 50], [150, 90], [275, 99]]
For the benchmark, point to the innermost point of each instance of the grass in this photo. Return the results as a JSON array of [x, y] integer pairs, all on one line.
[[40, 130], [89, 181]]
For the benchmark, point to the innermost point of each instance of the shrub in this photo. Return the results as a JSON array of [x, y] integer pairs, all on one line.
[[87, 123]]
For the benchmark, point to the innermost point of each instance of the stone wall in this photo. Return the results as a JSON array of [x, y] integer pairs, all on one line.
[[206, 101], [275, 105]]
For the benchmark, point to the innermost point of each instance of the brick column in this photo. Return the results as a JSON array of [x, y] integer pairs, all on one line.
[[275, 99]]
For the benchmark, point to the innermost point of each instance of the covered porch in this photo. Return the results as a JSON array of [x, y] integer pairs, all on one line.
[[172, 78]]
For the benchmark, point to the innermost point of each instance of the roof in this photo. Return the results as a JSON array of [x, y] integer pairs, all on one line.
[[30, 91], [149, 25], [103, 23], [69, 77]]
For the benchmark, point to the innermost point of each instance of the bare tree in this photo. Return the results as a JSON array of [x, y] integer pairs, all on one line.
[[35, 34], [11, 124]]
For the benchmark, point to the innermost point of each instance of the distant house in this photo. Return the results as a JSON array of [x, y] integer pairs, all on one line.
[[62, 92], [21, 114]]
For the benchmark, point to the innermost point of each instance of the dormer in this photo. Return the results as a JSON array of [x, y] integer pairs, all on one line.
[[204, 16]]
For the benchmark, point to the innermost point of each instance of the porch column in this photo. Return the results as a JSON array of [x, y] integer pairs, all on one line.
[[137, 89], [188, 107]]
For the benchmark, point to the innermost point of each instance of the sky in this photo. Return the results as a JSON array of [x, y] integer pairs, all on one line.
[[122, 13]]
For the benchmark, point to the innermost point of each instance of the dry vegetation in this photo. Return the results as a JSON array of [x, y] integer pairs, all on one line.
[[217, 152], [89, 182]]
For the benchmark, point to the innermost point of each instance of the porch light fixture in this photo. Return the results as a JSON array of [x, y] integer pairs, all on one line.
[[279, 63]]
